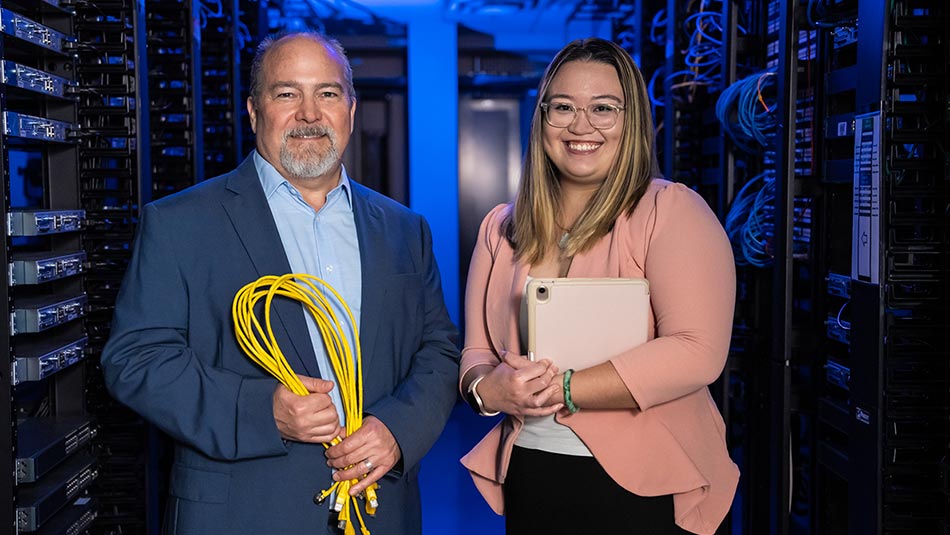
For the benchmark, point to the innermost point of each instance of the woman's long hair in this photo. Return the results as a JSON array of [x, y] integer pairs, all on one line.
[[532, 225]]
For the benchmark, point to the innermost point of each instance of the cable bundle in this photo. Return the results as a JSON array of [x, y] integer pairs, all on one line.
[[750, 224], [259, 343], [744, 113], [702, 56]]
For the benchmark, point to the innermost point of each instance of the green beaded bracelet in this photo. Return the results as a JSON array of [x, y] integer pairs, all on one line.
[[568, 402]]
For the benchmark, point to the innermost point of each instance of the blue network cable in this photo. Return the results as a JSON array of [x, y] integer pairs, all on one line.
[[750, 223], [746, 115]]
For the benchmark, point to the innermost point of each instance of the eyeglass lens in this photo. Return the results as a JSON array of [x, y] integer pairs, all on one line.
[[561, 115]]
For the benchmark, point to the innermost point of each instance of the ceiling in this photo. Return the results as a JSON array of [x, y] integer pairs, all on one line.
[[518, 25]]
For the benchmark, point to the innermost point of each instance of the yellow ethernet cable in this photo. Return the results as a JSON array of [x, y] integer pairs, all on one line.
[[260, 344]]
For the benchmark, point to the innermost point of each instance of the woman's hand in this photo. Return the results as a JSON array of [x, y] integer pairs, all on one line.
[[521, 387]]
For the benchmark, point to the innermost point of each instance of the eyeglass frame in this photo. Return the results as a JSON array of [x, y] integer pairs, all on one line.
[[545, 106]]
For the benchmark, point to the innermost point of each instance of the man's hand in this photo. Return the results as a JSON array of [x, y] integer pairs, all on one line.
[[371, 449], [310, 418]]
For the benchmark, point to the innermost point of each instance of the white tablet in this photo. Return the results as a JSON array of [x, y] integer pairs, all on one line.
[[578, 323]]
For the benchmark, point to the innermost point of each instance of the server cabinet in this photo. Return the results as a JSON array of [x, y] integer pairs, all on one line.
[[114, 181], [47, 432], [899, 440], [176, 135], [222, 39]]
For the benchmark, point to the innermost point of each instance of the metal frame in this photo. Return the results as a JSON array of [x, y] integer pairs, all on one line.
[[866, 466]]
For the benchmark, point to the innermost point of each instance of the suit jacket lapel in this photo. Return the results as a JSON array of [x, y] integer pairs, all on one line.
[[252, 219], [505, 283], [373, 251]]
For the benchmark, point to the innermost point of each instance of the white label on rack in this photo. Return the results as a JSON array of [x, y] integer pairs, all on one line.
[[866, 203]]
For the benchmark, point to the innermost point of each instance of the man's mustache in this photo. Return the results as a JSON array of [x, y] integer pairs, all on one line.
[[316, 130]]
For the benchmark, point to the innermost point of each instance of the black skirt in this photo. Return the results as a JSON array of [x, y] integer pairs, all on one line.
[[549, 493]]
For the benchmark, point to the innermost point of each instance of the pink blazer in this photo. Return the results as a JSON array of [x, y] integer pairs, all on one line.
[[675, 442]]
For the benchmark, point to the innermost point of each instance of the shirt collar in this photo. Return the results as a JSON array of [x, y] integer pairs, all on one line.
[[271, 179]]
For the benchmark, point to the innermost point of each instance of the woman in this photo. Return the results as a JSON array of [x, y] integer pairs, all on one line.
[[635, 444]]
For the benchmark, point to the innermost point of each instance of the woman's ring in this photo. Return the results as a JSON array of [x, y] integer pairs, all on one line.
[[369, 465]]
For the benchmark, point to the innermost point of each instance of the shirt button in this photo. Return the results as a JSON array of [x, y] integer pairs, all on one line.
[[329, 268]]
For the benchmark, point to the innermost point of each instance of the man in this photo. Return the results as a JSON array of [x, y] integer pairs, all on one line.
[[248, 455]]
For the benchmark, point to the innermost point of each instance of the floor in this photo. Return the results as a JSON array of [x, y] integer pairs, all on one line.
[[450, 502]]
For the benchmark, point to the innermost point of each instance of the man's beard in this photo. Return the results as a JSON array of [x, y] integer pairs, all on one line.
[[309, 161]]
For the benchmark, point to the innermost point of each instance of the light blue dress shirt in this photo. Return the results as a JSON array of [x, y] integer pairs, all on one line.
[[322, 243]]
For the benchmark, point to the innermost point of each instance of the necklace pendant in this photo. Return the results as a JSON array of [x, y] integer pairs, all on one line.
[[562, 243]]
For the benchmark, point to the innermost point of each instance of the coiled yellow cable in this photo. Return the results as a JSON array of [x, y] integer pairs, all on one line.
[[260, 344]]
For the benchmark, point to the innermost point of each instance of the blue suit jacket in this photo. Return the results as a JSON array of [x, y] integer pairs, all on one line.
[[172, 357]]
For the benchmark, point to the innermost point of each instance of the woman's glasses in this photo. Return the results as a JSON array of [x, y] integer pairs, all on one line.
[[562, 114]]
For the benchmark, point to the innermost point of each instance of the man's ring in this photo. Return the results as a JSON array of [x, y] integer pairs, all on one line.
[[369, 465]]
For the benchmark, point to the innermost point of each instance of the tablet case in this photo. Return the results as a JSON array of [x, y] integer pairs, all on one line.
[[579, 323]]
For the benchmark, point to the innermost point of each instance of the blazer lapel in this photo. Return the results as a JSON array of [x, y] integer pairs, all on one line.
[[252, 219], [371, 233], [503, 302]]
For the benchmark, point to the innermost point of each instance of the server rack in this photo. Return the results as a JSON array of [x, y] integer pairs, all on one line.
[[47, 432], [746, 108], [885, 438], [175, 97], [251, 29], [686, 78], [853, 279], [768, 114], [770, 110], [837, 110], [114, 182], [220, 61]]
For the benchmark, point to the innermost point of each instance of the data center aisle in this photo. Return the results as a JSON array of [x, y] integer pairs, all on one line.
[[450, 502]]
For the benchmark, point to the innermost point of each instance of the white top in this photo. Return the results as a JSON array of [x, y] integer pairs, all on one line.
[[542, 432]]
